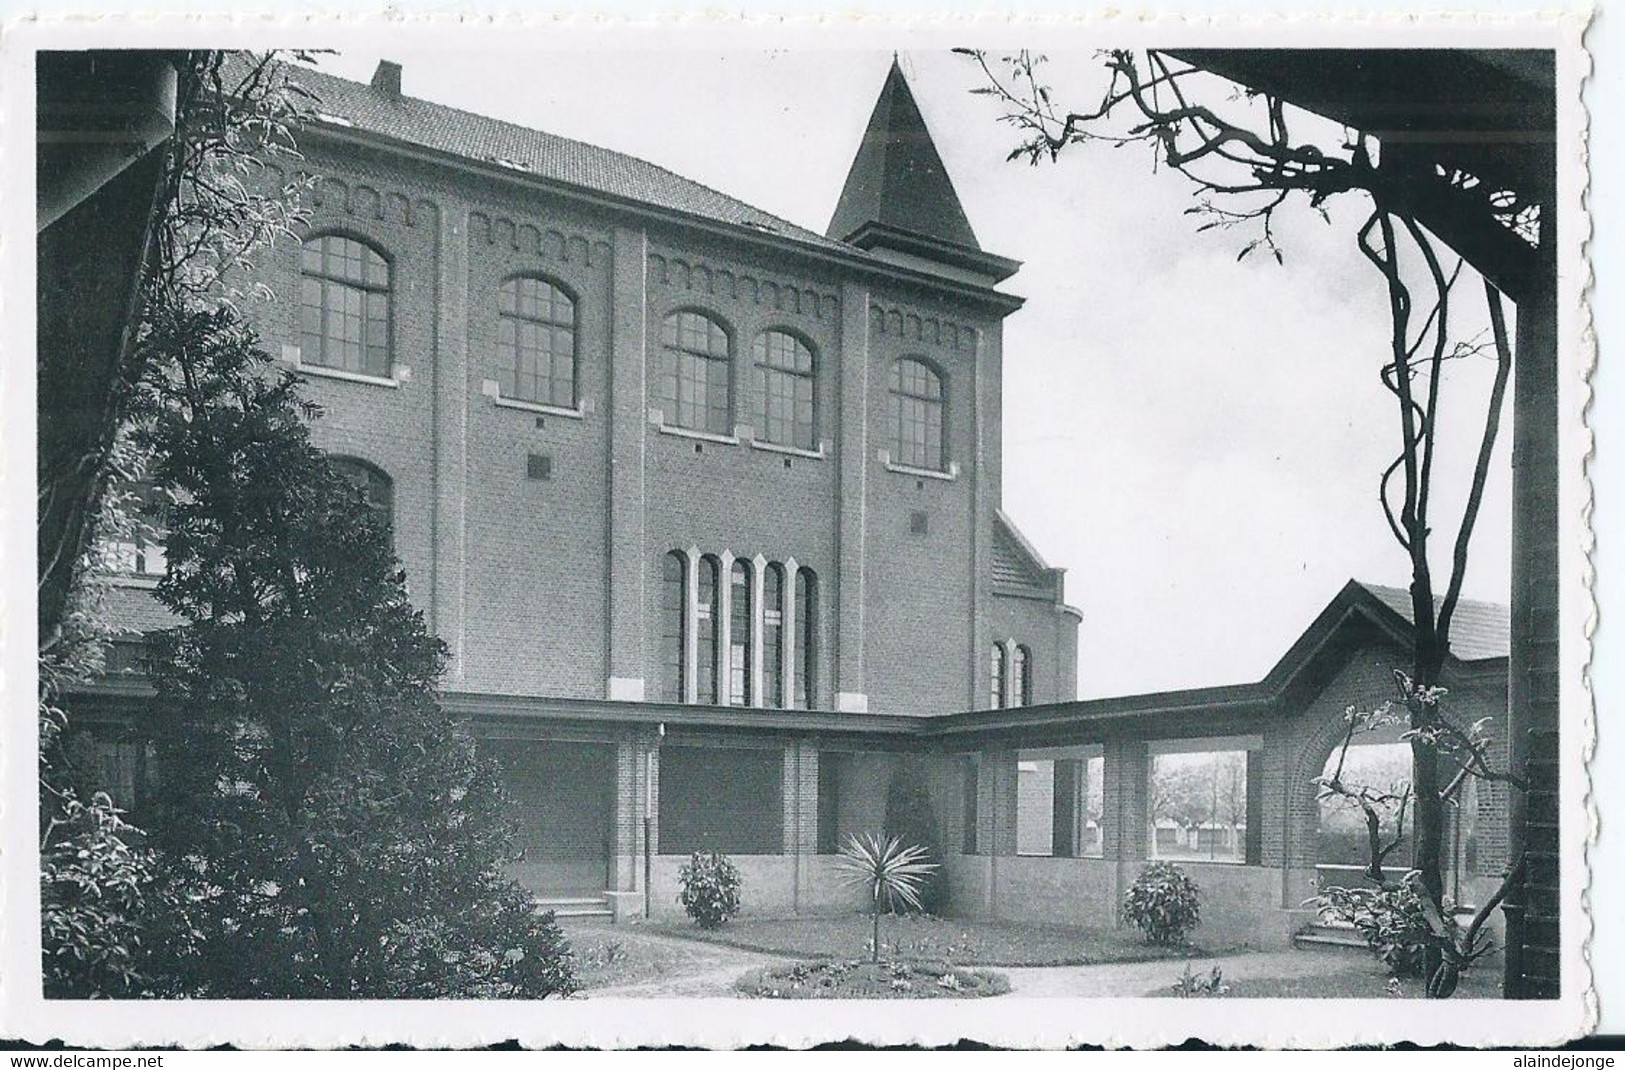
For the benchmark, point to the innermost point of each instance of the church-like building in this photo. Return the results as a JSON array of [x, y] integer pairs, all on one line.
[[708, 509]]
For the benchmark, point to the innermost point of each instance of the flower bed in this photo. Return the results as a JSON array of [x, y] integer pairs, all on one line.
[[849, 979]]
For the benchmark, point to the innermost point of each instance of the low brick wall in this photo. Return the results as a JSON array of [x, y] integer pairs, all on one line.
[[768, 886], [1062, 891]]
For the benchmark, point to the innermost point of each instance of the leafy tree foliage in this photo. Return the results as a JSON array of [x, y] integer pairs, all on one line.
[[336, 832]]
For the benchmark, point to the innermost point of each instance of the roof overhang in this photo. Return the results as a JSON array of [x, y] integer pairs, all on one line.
[[874, 235]]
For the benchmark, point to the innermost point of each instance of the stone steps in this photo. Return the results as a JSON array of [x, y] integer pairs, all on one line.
[[575, 907]]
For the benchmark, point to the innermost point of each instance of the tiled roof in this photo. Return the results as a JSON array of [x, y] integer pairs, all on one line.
[[135, 610], [1478, 630], [355, 105], [1016, 566]]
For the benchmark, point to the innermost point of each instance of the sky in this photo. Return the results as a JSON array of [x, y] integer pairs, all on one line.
[[1197, 440]]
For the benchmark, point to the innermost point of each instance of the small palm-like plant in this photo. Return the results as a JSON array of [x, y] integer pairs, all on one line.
[[888, 871]]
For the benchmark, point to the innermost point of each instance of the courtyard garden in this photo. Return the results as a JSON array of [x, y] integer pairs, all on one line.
[[924, 937]]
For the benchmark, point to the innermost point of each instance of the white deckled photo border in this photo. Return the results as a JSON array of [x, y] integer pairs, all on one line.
[[1005, 1021]]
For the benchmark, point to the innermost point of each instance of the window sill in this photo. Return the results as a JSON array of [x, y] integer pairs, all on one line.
[[537, 406], [323, 372], [794, 451], [703, 436], [925, 473]]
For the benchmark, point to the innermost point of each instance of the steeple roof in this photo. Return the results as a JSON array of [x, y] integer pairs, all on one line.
[[898, 180]]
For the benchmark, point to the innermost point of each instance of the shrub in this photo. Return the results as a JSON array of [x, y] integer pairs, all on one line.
[[1163, 903], [911, 820], [710, 888], [1389, 919], [1200, 986]]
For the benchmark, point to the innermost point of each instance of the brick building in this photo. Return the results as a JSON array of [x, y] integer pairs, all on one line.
[[707, 508]]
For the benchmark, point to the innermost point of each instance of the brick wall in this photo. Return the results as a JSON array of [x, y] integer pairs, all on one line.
[[515, 572]]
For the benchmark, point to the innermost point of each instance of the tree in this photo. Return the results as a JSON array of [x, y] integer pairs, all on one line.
[[234, 113], [890, 874], [1246, 165], [336, 831]]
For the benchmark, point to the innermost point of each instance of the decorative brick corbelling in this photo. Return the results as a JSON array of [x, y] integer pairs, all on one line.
[[544, 243], [910, 325], [695, 276]]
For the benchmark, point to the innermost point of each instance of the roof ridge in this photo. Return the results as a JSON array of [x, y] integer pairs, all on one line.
[[801, 230]]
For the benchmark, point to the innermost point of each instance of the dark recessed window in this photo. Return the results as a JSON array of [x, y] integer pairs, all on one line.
[[344, 306], [539, 466], [376, 488], [773, 636], [536, 342], [739, 642], [707, 628], [917, 523], [785, 388], [673, 626], [695, 373], [807, 638], [916, 416]]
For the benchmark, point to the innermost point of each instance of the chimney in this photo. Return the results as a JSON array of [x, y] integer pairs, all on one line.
[[387, 79]]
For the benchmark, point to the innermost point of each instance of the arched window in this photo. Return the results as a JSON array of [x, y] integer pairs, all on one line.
[[773, 636], [536, 342], [706, 627], [1022, 676], [739, 641], [785, 381], [916, 416], [695, 373], [996, 690], [376, 487], [344, 305], [807, 637], [673, 625]]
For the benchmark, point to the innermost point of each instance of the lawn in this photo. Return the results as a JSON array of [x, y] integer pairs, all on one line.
[[615, 955], [1362, 981], [915, 937], [848, 979]]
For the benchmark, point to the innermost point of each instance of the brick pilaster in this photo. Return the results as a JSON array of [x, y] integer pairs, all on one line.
[[625, 544]]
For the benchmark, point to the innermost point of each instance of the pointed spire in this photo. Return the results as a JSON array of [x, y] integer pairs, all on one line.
[[898, 180]]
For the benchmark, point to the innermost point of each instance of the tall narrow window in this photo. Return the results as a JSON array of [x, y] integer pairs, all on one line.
[[784, 390], [807, 637], [673, 625], [706, 627], [773, 636], [1021, 676], [344, 305], [695, 380], [739, 648], [376, 487], [536, 342], [996, 688], [916, 416]]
